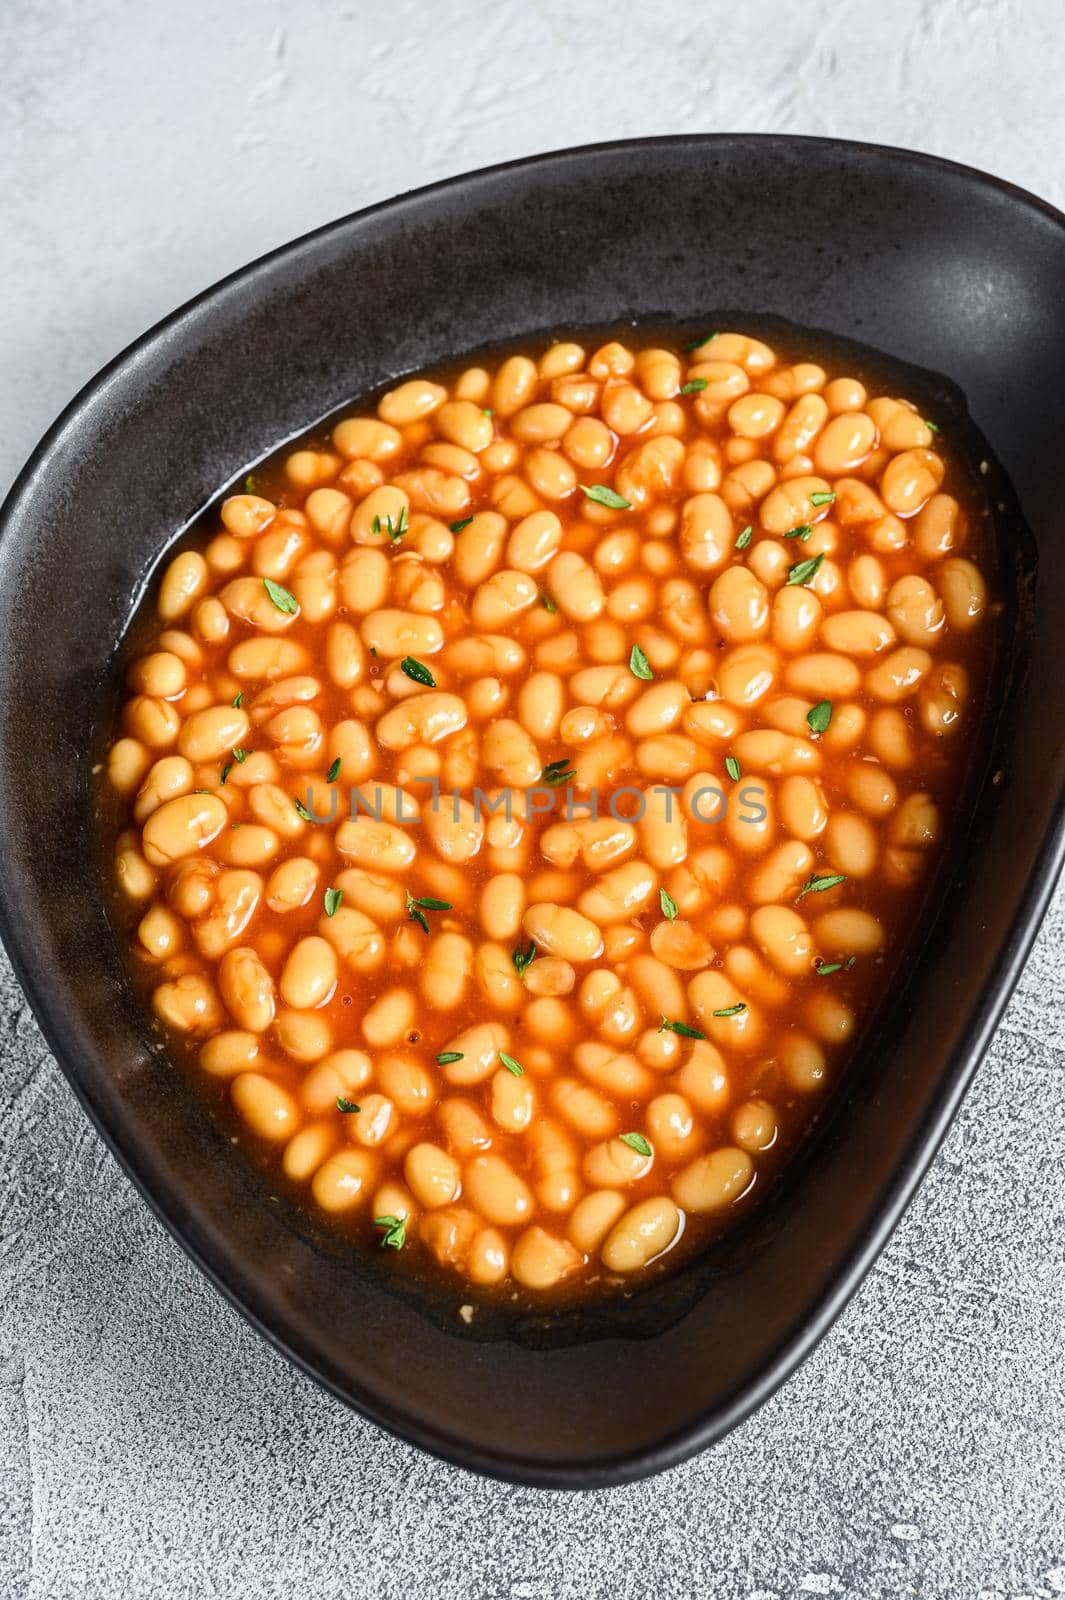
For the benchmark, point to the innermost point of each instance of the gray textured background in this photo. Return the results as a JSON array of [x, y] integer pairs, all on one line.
[[150, 1445]]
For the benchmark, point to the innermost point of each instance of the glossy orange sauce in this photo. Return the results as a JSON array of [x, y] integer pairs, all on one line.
[[705, 725]]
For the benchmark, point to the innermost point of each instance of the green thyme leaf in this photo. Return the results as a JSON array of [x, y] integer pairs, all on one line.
[[803, 532], [448, 1056], [821, 498], [238, 699], [414, 914], [933, 426], [333, 898], [281, 598], [639, 665], [668, 904], [559, 772], [226, 770], [732, 767], [240, 756], [668, 1026], [848, 964], [637, 1142], [523, 959], [820, 716], [394, 530], [515, 1068], [346, 1105], [301, 810], [744, 538], [416, 909], [395, 1234], [828, 968], [419, 673], [547, 603], [464, 522], [606, 497], [697, 344], [249, 484], [334, 771], [693, 386], [805, 570], [820, 882], [731, 1011]]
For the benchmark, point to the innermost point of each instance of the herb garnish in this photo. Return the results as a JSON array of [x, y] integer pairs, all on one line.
[[637, 1142], [805, 570], [334, 771], [240, 756], [523, 959], [417, 671], [744, 538], [464, 522], [731, 1011], [558, 772], [238, 699], [448, 1056], [639, 665], [697, 344], [395, 1235], [515, 1068], [346, 1105], [394, 530], [416, 909], [820, 716], [301, 810], [282, 599], [823, 497], [823, 969], [226, 770], [801, 532], [547, 603], [604, 496], [333, 898], [693, 386], [668, 1026], [668, 904], [820, 882], [732, 767]]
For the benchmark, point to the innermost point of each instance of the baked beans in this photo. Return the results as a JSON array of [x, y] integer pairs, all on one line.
[[524, 788]]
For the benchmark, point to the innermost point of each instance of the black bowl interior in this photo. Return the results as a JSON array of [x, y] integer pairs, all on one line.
[[934, 264]]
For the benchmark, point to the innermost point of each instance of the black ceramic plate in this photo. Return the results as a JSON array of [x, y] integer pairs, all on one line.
[[932, 263]]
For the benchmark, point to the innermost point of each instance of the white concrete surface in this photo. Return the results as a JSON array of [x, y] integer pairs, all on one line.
[[150, 1445]]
